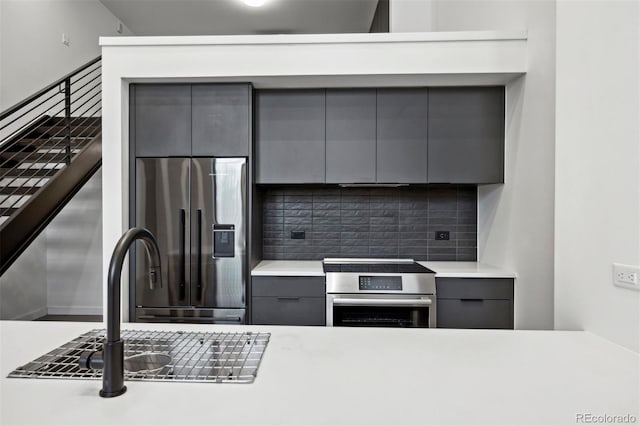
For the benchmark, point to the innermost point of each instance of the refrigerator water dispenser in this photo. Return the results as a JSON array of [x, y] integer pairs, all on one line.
[[223, 241]]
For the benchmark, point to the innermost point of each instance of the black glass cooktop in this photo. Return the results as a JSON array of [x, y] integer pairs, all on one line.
[[381, 268]]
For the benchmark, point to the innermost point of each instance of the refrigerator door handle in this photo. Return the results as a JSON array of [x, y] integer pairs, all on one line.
[[199, 254], [182, 255]]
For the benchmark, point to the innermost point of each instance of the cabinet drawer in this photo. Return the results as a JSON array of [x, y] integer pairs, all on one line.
[[288, 310], [474, 288], [288, 286], [475, 313]]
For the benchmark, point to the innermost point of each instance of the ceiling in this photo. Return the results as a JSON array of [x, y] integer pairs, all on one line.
[[216, 17]]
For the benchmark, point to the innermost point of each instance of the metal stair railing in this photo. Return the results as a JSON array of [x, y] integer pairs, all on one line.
[[40, 138], [58, 119]]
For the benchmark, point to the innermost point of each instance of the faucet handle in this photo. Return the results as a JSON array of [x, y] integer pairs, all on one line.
[[155, 281], [92, 360]]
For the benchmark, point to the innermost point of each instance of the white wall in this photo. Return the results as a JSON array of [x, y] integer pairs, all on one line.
[[515, 220], [597, 167], [407, 16], [31, 52], [23, 287], [61, 270], [74, 254]]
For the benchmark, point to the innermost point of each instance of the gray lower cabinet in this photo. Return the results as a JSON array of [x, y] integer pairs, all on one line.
[[221, 120], [475, 303], [288, 300], [351, 136], [290, 136], [466, 135], [401, 146], [161, 120]]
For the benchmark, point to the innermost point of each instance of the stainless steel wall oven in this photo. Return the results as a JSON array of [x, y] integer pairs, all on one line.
[[379, 293]]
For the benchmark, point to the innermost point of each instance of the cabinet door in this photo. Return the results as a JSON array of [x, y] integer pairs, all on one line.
[[466, 135], [290, 136], [220, 120], [288, 286], [351, 136], [402, 136], [288, 310], [475, 313], [474, 288], [162, 120]]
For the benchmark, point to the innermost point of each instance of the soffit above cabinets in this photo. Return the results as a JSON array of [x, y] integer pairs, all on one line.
[[323, 60]]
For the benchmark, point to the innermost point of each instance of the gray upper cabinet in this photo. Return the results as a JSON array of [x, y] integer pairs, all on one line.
[[221, 120], [466, 135], [402, 135], [290, 136], [388, 135], [162, 120], [351, 136]]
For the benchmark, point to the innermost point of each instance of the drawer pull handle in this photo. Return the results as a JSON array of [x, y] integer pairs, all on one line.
[[289, 298], [471, 300]]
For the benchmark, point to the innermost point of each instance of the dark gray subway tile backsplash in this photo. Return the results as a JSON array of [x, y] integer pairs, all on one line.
[[370, 222]]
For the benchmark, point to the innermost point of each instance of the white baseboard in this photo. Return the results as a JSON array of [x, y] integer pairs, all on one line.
[[29, 316], [74, 310]]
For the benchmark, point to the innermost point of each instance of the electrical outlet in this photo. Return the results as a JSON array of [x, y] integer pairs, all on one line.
[[442, 235], [626, 276], [298, 235]]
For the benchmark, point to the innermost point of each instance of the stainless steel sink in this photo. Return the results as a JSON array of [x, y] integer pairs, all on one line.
[[160, 356], [147, 362]]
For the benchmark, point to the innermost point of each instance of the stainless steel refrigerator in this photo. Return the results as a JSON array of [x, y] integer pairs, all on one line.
[[197, 209]]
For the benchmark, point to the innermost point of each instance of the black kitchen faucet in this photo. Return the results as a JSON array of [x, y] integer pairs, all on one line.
[[111, 359]]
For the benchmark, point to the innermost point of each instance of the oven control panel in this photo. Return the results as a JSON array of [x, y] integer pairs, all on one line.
[[380, 283]]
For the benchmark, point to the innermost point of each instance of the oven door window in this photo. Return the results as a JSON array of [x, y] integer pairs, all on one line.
[[380, 316]]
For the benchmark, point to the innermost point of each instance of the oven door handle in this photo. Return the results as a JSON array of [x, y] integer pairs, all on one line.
[[381, 302]]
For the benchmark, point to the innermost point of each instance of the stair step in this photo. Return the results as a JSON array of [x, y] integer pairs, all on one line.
[[36, 145], [33, 157], [19, 190], [32, 144], [8, 212], [12, 202], [84, 121], [57, 150], [61, 131], [26, 173]]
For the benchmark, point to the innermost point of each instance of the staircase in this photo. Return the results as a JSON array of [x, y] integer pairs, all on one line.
[[50, 145]]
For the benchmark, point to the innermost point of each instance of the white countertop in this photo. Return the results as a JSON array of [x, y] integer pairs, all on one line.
[[442, 269], [324, 375], [301, 268], [467, 270]]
